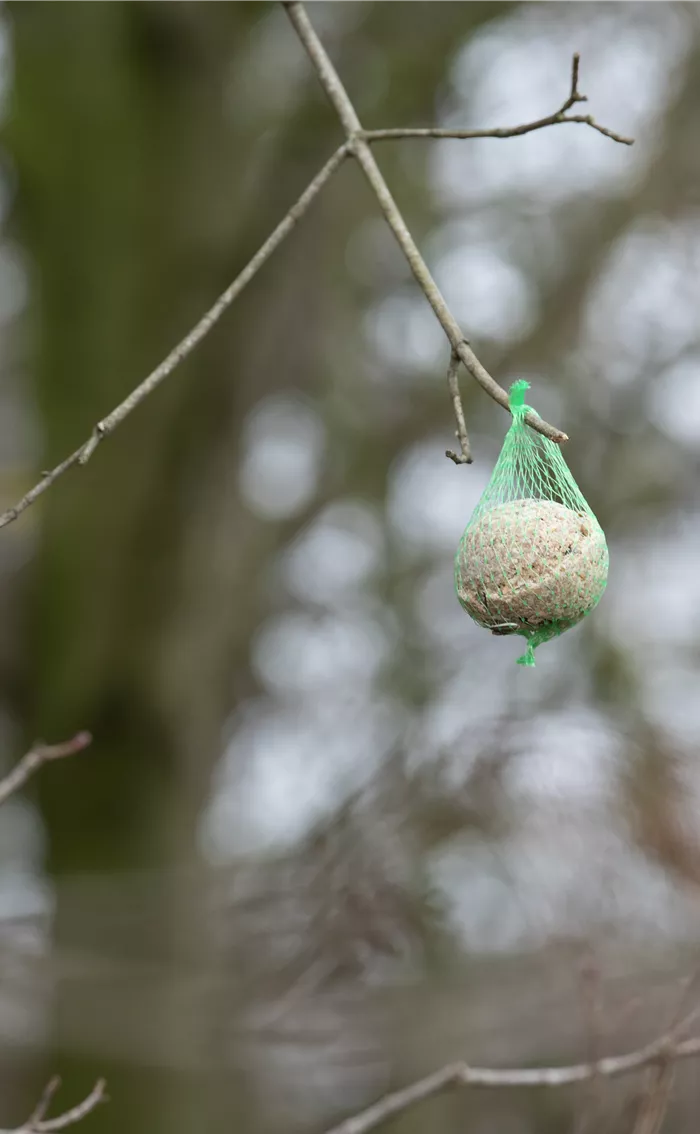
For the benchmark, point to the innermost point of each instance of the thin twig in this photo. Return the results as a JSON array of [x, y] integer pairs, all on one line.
[[184, 348], [656, 1095], [591, 998], [360, 149], [655, 1099], [683, 1017], [37, 1123], [504, 132], [457, 1075], [39, 1112], [40, 754], [557, 119], [464, 457], [394, 134]]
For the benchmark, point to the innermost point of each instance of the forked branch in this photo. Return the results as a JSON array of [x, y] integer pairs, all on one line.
[[38, 1123], [559, 117], [357, 140], [357, 145]]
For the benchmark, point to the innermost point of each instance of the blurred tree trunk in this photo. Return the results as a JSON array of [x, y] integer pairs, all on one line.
[[124, 157], [132, 196], [138, 204]]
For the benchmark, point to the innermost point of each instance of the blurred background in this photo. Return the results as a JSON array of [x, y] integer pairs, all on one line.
[[329, 836]]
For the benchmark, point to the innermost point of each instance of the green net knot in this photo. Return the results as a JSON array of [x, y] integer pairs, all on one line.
[[528, 658], [544, 633], [516, 398]]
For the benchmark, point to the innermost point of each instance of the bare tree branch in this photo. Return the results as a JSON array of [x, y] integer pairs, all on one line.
[[660, 1056], [108, 424], [557, 119], [464, 457], [357, 144], [37, 1123], [457, 1075], [360, 149], [40, 754]]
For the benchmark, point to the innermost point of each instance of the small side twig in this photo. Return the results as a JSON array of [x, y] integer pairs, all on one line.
[[557, 119], [464, 457], [40, 754], [656, 1095], [39, 1112], [38, 1123]]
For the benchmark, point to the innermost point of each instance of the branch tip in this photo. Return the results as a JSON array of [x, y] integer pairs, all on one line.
[[465, 455], [575, 63], [37, 1123], [37, 755]]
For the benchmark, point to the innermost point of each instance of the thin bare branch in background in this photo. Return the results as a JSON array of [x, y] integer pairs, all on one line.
[[658, 1056], [464, 457], [357, 145], [40, 754], [456, 1075], [38, 1123]]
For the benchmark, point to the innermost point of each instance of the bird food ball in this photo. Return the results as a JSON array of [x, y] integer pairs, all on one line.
[[528, 563]]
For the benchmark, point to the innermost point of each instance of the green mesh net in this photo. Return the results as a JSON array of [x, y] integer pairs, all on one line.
[[533, 559]]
